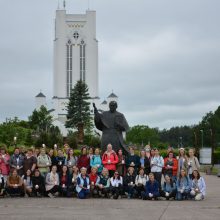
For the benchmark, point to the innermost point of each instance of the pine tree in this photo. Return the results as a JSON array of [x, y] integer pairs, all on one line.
[[78, 109]]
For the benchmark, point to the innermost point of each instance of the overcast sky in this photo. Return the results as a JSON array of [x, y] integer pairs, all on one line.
[[161, 57]]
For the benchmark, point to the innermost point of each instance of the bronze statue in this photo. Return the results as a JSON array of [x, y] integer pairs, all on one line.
[[112, 124]]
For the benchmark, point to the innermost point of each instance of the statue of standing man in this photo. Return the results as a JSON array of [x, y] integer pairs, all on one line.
[[112, 124]]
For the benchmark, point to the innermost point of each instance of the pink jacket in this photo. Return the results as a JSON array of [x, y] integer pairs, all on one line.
[[4, 164]]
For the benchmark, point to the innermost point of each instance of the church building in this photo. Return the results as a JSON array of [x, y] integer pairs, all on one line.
[[75, 58]]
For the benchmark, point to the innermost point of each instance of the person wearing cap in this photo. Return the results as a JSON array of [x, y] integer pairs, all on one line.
[[110, 159], [133, 160], [151, 189], [129, 182], [116, 187], [83, 184], [157, 164], [140, 182], [182, 161]]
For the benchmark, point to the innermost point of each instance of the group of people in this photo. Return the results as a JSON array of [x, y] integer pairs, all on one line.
[[58, 172]]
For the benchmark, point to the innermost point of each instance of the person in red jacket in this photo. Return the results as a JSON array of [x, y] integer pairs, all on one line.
[[109, 160], [93, 178], [84, 160], [170, 166]]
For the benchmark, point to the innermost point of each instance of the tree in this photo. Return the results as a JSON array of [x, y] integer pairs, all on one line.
[[40, 120], [142, 135], [78, 109]]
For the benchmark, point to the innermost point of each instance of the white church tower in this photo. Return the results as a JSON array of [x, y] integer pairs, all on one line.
[[75, 57]]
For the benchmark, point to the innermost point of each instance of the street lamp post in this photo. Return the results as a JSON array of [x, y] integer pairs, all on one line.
[[202, 132], [15, 141], [181, 141]]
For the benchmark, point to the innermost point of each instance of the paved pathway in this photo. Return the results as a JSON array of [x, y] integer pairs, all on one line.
[[124, 209]]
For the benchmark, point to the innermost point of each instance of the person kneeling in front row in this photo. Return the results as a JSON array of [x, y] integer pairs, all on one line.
[[83, 184], [103, 184], [116, 188], [169, 188], [52, 183], [183, 185], [15, 185], [198, 189], [151, 189]]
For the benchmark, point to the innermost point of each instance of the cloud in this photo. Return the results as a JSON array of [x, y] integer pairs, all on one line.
[[160, 57]]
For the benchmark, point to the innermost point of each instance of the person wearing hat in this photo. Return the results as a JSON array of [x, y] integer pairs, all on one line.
[[83, 184]]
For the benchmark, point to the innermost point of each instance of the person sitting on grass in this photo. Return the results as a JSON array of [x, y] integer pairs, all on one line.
[[15, 185], [129, 182], [183, 186], [103, 184], [140, 182], [65, 182], [169, 188], [38, 184], [151, 189], [28, 186], [94, 179], [198, 189], [83, 184], [116, 188], [52, 183]]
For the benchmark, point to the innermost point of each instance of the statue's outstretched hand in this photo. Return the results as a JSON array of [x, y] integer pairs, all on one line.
[[95, 109]]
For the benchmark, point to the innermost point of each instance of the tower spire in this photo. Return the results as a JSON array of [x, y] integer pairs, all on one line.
[[64, 4]]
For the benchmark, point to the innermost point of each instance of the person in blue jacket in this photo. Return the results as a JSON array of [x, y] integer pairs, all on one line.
[[151, 189], [83, 184], [183, 186], [96, 161]]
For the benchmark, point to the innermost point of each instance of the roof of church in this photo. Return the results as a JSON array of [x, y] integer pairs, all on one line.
[[112, 95], [40, 95], [104, 102]]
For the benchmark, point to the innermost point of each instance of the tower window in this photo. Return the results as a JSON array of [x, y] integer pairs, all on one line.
[[69, 68], [82, 61]]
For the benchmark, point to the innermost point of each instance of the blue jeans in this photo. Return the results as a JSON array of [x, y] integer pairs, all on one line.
[[182, 196], [83, 193]]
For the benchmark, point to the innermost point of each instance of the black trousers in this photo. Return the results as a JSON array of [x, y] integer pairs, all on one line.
[[157, 176], [171, 194]]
